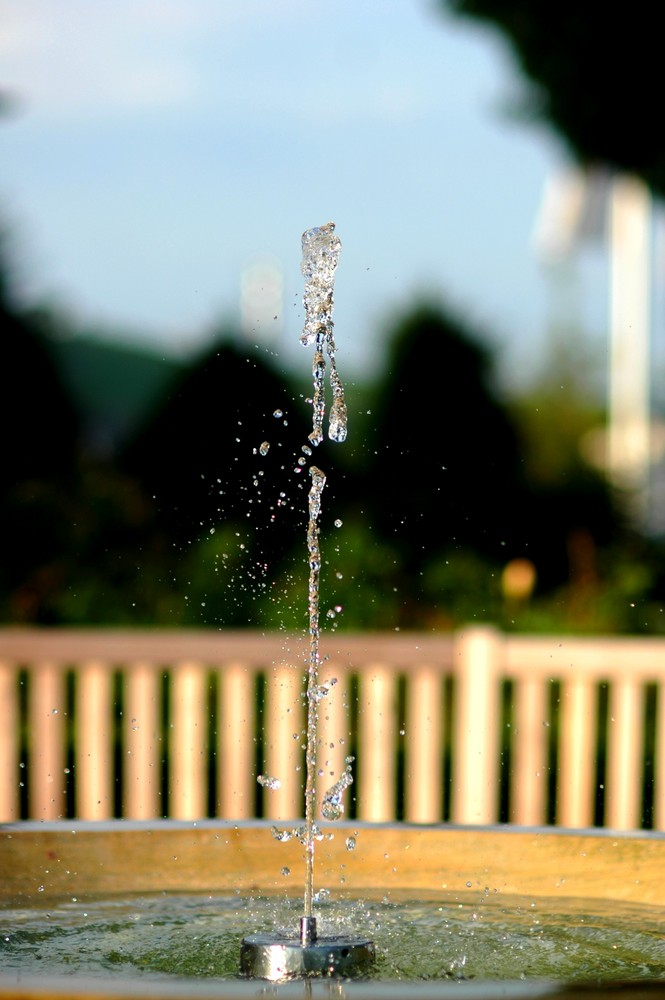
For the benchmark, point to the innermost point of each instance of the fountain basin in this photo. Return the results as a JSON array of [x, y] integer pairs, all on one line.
[[44, 863]]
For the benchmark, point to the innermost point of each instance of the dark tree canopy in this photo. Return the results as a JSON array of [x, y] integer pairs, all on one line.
[[593, 72], [446, 471], [200, 456], [39, 421], [39, 455]]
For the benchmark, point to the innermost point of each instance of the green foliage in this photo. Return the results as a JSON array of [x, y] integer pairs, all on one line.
[[461, 587]]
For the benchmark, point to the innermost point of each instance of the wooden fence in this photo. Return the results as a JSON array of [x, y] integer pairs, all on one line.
[[475, 727]]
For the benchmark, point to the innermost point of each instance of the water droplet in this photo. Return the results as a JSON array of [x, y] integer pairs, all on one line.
[[278, 414], [268, 782], [350, 843], [332, 806], [338, 419], [285, 870], [264, 448], [283, 836], [320, 255], [338, 522]]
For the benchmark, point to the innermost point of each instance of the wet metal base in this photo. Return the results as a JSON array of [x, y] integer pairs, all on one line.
[[266, 956]]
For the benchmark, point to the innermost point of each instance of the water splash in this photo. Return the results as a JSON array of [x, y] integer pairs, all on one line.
[[269, 782], [320, 255], [333, 805], [312, 695]]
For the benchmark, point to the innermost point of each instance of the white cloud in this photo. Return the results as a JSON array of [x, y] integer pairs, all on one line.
[[78, 58]]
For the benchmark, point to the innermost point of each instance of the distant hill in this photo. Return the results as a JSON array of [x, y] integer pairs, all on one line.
[[114, 386]]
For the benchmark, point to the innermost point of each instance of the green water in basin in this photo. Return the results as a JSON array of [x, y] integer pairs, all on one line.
[[489, 937]]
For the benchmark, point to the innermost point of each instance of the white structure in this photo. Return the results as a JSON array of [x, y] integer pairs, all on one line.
[[580, 206], [629, 416], [261, 300]]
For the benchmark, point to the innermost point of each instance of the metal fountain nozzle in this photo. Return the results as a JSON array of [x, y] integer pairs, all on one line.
[[307, 931], [277, 958]]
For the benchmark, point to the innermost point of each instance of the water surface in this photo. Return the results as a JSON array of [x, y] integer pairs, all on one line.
[[489, 937]]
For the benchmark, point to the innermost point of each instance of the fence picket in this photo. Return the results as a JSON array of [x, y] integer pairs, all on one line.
[[46, 741], [477, 656], [142, 741], [576, 752], [625, 748], [236, 746], [528, 785], [334, 730], [9, 743], [423, 743], [285, 716], [94, 746], [188, 778], [377, 732], [659, 761]]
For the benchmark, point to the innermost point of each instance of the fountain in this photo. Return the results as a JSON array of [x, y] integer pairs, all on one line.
[[278, 957], [126, 908]]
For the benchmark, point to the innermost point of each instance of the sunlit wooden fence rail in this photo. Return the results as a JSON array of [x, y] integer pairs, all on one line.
[[476, 727]]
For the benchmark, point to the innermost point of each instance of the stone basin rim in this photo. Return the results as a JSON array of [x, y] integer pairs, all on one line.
[[109, 857]]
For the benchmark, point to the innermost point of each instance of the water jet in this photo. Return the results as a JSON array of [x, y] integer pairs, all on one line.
[[277, 956]]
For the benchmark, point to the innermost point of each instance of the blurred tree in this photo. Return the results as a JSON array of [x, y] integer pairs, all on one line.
[[40, 435], [40, 422], [221, 458], [573, 510], [461, 482], [592, 72], [446, 469], [200, 454], [443, 472]]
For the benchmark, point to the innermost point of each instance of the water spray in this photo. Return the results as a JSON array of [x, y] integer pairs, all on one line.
[[269, 956]]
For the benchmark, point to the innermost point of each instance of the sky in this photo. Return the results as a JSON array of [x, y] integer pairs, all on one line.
[[155, 151]]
